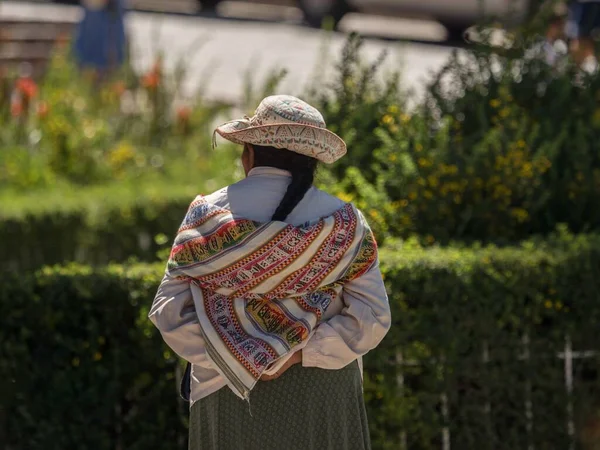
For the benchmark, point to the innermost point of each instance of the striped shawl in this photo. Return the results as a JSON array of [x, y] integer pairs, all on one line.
[[260, 289]]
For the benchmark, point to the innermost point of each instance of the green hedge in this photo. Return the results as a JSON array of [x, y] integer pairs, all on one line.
[[95, 227], [478, 333], [475, 340], [81, 367]]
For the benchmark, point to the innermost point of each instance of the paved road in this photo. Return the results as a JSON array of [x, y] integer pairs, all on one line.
[[219, 52]]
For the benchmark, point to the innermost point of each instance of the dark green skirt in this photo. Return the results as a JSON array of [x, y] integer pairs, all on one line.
[[304, 409]]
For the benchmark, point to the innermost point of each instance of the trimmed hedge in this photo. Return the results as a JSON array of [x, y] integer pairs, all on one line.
[[82, 367], [99, 231], [471, 357], [479, 333]]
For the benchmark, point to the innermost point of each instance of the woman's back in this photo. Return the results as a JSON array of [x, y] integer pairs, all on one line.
[[284, 311], [257, 197]]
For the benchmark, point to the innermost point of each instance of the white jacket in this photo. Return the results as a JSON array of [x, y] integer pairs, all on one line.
[[352, 325]]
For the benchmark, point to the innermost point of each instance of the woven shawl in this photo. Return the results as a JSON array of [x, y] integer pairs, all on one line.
[[260, 289]]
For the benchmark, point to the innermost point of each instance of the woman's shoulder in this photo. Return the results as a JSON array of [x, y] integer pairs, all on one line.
[[321, 203], [218, 198], [328, 198]]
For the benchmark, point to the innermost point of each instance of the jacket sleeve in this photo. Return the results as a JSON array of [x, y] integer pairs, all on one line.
[[174, 314], [360, 327]]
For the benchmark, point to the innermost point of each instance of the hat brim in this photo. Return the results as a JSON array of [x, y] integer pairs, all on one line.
[[309, 140]]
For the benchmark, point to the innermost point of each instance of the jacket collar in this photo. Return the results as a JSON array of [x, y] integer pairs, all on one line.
[[268, 171]]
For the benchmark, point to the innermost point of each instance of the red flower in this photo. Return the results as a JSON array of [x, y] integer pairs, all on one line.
[[42, 110], [16, 108], [184, 113], [152, 79], [119, 88], [26, 87], [62, 40]]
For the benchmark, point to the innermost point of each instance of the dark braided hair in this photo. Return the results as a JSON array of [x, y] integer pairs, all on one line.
[[301, 167]]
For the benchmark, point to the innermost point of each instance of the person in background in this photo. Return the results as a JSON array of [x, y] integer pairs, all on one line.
[[582, 29], [100, 42], [551, 46], [554, 47]]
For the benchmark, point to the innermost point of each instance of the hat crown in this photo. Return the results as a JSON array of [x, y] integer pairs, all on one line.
[[279, 109]]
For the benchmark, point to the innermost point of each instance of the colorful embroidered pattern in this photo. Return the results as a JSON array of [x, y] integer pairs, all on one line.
[[253, 353], [262, 291]]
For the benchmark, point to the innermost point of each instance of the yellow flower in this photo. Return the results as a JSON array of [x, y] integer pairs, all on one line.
[[97, 356], [521, 143], [527, 171], [404, 118], [121, 155], [433, 181], [345, 197], [558, 305], [520, 214], [374, 214], [404, 203], [430, 239], [494, 103], [504, 112], [428, 194], [424, 162], [393, 109], [412, 195], [387, 119], [596, 118], [542, 164], [393, 157], [548, 304], [418, 148]]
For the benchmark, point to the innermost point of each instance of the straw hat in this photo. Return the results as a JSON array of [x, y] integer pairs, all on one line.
[[283, 121]]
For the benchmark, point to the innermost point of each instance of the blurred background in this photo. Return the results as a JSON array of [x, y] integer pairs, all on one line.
[[270, 33], [473, 130]]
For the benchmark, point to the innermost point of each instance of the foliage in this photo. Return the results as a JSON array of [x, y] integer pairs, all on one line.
[[92, 225], [501, 147], [475, 347], [81, 365], [472, 349], [76, 129]]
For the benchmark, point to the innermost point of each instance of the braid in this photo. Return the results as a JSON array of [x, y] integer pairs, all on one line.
[[301, 182], [301, 167]]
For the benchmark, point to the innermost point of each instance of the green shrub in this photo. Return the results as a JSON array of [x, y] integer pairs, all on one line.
[[473, 350], [94, 227], [475, 345], [74, 128], [502, 146], [82, 367]]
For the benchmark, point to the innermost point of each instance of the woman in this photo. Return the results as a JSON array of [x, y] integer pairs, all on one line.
[[100, 42], [273, 293]]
